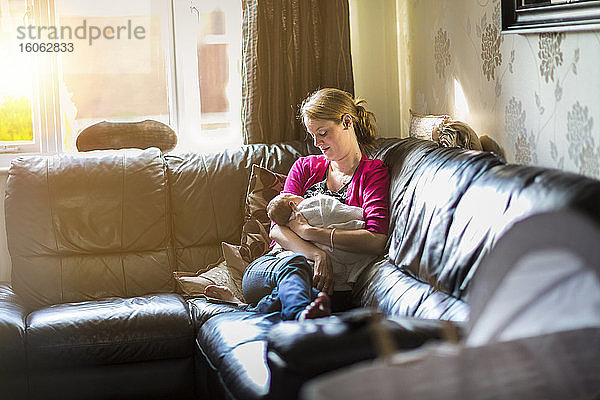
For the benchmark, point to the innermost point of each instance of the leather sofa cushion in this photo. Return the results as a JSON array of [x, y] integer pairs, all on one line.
[[234, 343], [394, 292], [149, 380], [202, 219], [202, 310], [112, 331], [88, 226]]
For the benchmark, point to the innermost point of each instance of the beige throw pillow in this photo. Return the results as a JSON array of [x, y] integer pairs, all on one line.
[[236, 262], [194, 283], [423, 126]]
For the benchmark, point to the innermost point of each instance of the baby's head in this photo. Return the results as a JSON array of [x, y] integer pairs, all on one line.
[[279, 209]]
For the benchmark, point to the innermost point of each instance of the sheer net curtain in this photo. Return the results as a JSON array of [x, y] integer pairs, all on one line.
[[290, 48]]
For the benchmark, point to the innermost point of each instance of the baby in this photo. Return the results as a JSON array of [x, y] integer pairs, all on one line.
[[321, 210], [326, 212]]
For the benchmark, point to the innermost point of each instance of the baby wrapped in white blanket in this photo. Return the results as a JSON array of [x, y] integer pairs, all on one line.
[[326, 212]]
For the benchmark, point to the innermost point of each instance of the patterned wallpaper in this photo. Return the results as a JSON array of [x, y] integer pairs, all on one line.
[[536, 95]]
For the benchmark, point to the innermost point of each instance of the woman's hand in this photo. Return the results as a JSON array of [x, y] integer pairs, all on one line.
[[323, 273], [323, 270], [299, 225]]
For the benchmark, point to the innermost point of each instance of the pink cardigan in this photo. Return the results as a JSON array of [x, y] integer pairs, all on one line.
[[369, 188]]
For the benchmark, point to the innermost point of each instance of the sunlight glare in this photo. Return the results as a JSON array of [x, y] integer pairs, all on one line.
[[15, 65], [461, 106]]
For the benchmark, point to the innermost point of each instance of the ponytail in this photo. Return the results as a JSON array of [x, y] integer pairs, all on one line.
[[365, 127]]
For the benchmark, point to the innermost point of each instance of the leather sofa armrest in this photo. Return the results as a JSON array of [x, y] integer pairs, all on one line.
[[12, 321], [297, 352], [13, 313]]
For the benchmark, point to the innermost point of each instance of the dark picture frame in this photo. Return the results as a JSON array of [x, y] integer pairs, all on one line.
[[529, 16]]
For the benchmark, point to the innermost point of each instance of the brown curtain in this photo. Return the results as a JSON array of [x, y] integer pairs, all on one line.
[[290, 48]]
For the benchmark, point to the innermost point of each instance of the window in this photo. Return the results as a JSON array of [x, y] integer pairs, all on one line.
[[120, 66], [177, 62], [208, 48], [16, 120]]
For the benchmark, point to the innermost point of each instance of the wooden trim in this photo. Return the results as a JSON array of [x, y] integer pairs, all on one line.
[[577, 16]]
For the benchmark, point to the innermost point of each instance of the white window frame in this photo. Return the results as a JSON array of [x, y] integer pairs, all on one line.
[[186, 98], [191, 137]]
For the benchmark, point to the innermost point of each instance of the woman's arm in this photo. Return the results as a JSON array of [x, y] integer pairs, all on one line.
[[323, 270], [355, 241], [374, 199]]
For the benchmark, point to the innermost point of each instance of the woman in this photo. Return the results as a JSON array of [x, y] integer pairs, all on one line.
[[299, 285]]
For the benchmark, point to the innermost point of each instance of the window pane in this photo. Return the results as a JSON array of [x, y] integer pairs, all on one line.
[[118, 69], [213, 62], [15, 76], [219, 77]]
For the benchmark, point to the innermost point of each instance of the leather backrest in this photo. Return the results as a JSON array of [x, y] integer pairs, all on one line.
[[91, 225], [208, 193], [449, 206], [87, 226]]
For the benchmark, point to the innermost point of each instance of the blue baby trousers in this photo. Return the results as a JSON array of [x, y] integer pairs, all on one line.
[[271, 283]]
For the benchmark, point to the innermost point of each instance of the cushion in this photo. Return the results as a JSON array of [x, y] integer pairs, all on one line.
[[456, 134], [263, 186], [237, 259], [255, 242], [235, 344], [422, 126], [109, 332], [89, 226], [194, 283], [120, 135]]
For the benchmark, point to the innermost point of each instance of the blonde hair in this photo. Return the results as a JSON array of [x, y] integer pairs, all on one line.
[[331, 104]]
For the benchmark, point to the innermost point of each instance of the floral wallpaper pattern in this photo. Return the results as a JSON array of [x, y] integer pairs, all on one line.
[[537, 95], [442, 52], [549, 54], [515, 126], [581, 142], [490, 50]]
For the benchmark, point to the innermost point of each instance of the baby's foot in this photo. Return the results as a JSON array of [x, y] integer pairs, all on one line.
[[221, 293], [319, 308]]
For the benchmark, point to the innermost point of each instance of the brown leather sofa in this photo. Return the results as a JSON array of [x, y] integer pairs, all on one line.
[[93, 312]]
